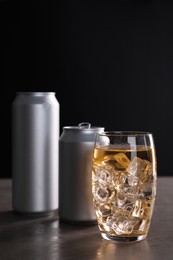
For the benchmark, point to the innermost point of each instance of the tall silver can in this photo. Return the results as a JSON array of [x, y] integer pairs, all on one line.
[[75, 186], [35, 153]]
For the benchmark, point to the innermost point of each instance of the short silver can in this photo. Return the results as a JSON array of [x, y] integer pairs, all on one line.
[[35, 153], [75, 185]]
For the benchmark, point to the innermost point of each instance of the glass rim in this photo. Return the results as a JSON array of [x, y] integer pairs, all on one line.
[[125, 133]]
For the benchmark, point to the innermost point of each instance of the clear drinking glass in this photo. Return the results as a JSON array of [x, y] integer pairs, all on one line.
[[124, 180]]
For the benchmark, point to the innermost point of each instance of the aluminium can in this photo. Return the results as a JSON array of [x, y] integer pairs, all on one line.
[[35, 153], [76, 145]]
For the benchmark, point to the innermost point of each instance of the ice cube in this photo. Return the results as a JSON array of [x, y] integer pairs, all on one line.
[[104, 210], [112, 193], [133, 181], [118, 166], [128, 185], [110, 220], [120, 180], [144, 225], [101, 194], [141, 209], [131, 187], [122, 159], [122, 225], [131, 191], [121, 199], [147, 190], [140, 168], [104, 175], [129, 207]]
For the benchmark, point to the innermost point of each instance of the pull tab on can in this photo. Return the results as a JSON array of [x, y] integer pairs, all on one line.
[[84, 125]]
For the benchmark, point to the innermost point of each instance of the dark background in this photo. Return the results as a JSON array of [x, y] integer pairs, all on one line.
[[109, 62]]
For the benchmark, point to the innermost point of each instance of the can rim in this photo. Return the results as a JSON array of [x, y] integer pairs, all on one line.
[[83, 129], [35, 93], [84, 126]]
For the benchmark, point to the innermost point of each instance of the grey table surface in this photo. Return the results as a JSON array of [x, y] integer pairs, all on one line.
[[48, 238]]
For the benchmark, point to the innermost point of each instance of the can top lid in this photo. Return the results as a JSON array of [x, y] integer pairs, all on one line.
[[35, 93], [83, 126]]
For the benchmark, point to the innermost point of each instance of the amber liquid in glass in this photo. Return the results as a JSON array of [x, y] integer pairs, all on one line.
[[124, 190]]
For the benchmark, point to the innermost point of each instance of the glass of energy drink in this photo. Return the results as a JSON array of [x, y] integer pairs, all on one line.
[[124, 180]]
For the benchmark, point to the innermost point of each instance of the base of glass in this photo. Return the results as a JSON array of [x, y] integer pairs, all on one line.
[[122, 239]]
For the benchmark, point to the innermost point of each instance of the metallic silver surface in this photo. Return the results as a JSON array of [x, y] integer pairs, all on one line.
[[35, 135], [75, 160]]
